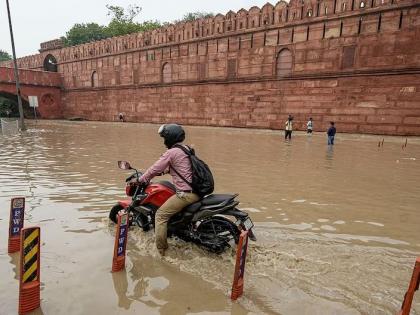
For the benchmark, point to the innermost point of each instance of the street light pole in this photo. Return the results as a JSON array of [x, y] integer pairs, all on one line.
[[21, 120]]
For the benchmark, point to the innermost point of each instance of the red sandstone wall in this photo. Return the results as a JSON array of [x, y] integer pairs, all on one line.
[[338, 45], [375, 104], [282, 57]]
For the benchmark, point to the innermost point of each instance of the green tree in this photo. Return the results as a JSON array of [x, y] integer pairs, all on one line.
[[84, 33], [122, 21], [4, 56], [120, 15], [192, 16]]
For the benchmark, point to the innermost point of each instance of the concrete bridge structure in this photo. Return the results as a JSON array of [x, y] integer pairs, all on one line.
[[45, 85]]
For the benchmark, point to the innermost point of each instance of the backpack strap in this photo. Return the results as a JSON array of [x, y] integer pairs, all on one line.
[[186, 151]]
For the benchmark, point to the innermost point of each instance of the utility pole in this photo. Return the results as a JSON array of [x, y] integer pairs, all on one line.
[[21, 119]]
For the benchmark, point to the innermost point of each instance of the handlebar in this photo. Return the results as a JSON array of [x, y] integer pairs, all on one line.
[[137, 174]]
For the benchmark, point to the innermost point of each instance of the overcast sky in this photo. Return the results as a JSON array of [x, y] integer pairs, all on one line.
[[39, 21]]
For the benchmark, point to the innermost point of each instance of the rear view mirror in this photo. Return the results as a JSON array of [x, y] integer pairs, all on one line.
[[124, 165]]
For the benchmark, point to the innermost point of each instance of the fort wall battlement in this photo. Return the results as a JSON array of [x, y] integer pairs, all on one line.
[[353, 61]]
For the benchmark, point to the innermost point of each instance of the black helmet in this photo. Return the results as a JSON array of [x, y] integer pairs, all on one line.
[[172, 133]]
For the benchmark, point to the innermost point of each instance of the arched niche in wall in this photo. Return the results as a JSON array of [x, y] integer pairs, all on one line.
[[50, 63], [166, 73], [284, 63], [94, 79], [48, 99]]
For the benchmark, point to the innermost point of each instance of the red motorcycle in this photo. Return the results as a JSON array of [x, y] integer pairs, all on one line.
[[207, 222]]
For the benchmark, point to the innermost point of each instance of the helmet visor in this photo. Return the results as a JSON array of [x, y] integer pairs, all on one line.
[[161, 129]]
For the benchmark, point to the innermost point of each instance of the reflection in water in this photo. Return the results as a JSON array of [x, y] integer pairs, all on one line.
[[121, 287], [329, 158], [14, 260], [337, 229], [38, 311]]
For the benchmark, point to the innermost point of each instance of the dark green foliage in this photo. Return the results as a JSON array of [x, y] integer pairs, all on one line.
[[192, 16], [122, 23], [8, 107], [118, 28], [4, 56], [84, 33]]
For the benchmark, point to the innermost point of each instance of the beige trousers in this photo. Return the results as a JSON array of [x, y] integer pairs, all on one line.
[[172, 206]]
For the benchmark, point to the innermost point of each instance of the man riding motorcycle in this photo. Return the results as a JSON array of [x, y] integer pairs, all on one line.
[[177, 163]]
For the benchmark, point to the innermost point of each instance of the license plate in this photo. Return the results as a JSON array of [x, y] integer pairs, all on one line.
[[248, 224]]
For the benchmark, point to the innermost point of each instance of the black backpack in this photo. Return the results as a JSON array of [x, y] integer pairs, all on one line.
[[202, 179]]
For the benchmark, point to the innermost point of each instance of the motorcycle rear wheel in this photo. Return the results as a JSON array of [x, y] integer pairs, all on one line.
[[217, 232]]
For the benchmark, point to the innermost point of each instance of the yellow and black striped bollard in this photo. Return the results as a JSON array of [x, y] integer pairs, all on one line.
[[29, 286]]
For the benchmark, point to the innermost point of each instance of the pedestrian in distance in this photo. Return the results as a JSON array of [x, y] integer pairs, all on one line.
[[309, 126], [121, 117], [331, 133], [289, 128]]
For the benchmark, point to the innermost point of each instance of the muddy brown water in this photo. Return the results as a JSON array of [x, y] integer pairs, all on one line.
[[338, 229]]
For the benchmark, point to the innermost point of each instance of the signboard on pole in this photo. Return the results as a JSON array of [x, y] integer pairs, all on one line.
[[412, 288], [238, 279], [121, 234], [33, 101], [17, 215]]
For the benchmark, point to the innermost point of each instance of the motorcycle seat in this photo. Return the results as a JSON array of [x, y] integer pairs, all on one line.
[[208, 201], [194, 207], [216, 199]]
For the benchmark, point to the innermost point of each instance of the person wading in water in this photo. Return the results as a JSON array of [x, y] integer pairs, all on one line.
[[331, 133], [289, 128], [309, 126], [177, 163]]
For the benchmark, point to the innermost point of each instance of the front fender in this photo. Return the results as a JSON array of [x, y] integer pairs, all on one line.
[[124, 203]]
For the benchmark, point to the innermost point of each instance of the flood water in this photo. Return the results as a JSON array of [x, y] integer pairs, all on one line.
[[338, 229]]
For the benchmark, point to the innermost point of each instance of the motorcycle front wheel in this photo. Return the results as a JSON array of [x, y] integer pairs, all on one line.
[[135, 217], [217, 232], [113, 213]]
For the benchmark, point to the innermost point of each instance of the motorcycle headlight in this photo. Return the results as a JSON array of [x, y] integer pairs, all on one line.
[[130, 190]]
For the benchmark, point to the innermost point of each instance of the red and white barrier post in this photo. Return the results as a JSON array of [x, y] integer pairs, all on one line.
[[413, 287], [121, 235], [30, 265], [238, 279], [17, 216]]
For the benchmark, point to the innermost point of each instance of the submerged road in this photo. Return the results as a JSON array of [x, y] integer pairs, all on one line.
[[337, 228]]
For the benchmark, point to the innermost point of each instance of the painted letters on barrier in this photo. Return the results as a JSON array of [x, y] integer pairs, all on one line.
[[17, 216], [413, 287], [121, 234], [29, 285], [238, 280]]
